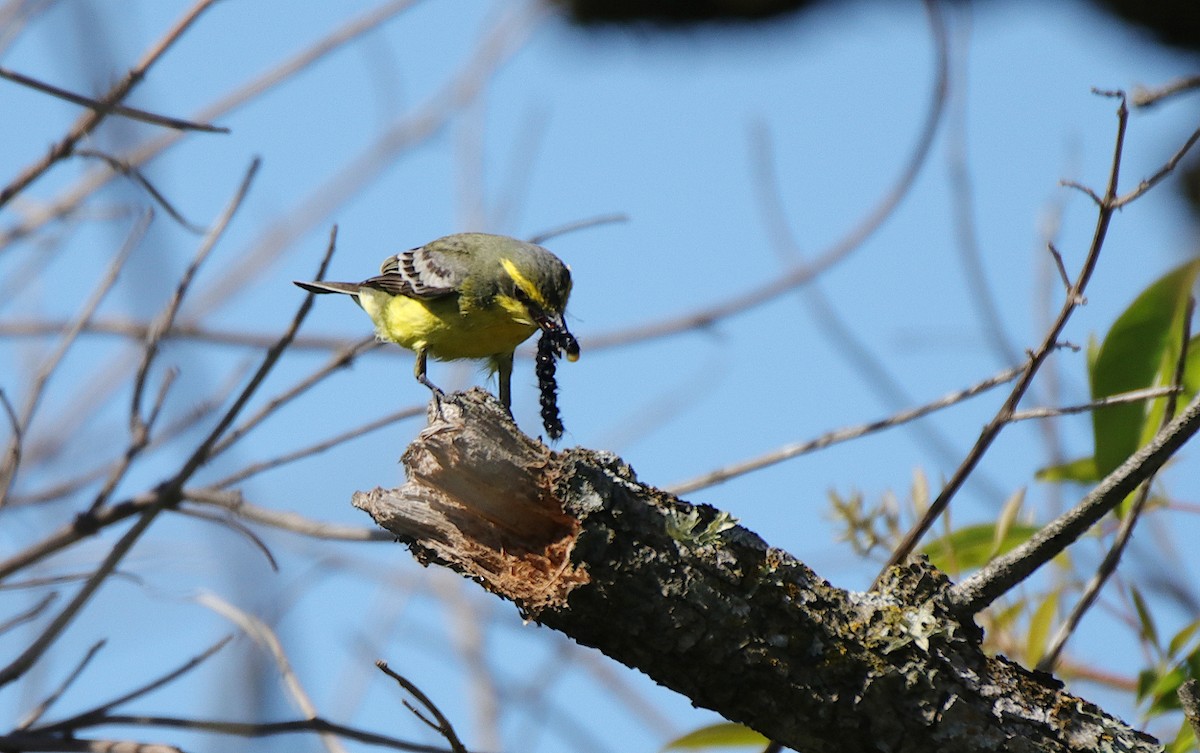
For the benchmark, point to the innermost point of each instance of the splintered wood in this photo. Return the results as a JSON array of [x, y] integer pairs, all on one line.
[[480, 498]]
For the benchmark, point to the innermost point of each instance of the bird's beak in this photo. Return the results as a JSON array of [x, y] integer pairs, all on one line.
[[556, 329]]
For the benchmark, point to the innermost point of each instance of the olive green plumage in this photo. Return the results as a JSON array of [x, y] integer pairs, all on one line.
[[470, 295]]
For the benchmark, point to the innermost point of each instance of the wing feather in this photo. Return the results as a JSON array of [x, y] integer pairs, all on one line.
[[425, 272]]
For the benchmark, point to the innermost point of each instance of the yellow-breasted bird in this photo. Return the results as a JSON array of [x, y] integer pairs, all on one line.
[[470, 295]]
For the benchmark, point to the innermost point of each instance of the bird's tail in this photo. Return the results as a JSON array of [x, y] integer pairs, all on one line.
[[348, 288]]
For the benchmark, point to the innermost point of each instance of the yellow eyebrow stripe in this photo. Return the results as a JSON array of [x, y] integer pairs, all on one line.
[[524, 284]]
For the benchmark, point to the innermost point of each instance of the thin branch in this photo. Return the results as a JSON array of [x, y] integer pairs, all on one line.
[[93, 117], [1108, 565], [169, 432], [164, 321], [1036, 358], [235, 503], [75, 530], [842, 337], [442, 726], [840, 435], [187, 331], [69, 336], [1162, 172], [126, 111], [29, 614], [264, 729], [1132, 396], [12, 454], [500, 41], [89, 184], [237, 527], [854, 239], [204, 452], [39, 710], [1001, 574], [318, 447], [265, 637], [139, 442], [93, 715], [37, 744], [585, 224], [46, 638], [963, 211], [339, 360], [1143, 97], [1062, 268], [129, 170]]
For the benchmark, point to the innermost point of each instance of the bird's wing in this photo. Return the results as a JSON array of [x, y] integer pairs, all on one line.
[[425, 272]]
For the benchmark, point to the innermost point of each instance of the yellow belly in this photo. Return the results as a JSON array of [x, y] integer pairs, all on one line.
[[443, 329]]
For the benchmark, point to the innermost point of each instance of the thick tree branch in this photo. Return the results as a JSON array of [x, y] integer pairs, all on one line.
[[707, 608]]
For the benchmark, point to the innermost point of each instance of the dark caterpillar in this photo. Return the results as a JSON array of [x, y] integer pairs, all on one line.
[[550, 346]]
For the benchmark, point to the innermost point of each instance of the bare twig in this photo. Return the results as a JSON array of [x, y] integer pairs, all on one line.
[[127, 169], [39, 710], [854, 239], [1036, 358], [70, 200], [1132, 396], [12, 454], [252, 729], [38, 385], [1147, 183], [74, 531], [46, 638], [501, 40], [997, 577], [1062, 269], [126, 111], [339, 360], [963, 208], [235, 503], [585, 224], [188, 331], [204, 452], [93, 117], [96, 713], [1143, 97], [138, 442], [265, 637], [166, 319], [237, 527], [1108, 565], [840, 435], [442, 725], [29, 614], [844, 338], [319, 447], [31, 743]]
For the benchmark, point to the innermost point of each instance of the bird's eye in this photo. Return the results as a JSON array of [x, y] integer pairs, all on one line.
[[522, 296]]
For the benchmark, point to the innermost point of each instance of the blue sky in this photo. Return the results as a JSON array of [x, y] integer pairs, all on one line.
[[577, 124]]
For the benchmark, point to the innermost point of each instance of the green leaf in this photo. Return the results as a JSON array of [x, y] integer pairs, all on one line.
[[720, 735], [1039, 628], [1180, 639], [1162, 693], [1149, 631], [1008, 516], [1082, 470], [1140, 350], [972, 547], [1185, 740]]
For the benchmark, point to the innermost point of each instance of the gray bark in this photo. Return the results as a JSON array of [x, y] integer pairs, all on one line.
[[708, 609]]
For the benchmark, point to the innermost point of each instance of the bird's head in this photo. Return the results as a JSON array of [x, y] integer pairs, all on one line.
[[541, 283]]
